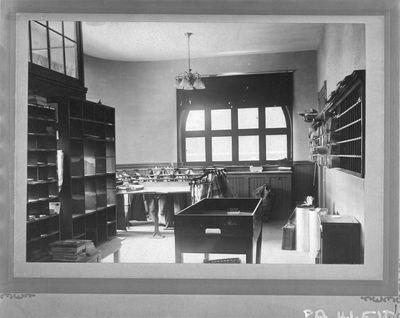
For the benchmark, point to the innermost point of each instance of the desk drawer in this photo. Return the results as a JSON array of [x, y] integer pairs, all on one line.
[[214, 225]]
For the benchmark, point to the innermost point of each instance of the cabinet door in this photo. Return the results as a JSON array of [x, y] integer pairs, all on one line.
[[341, 243], [239, 185]]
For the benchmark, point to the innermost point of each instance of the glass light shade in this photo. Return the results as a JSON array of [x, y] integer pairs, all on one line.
[[189, 80], [186, 85], [198, 83], [178, 82]]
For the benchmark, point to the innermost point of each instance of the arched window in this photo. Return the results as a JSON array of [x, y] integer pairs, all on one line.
[[236, 135], [233, 121]]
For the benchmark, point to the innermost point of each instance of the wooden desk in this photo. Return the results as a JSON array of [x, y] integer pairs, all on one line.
[[213, 226], [156, 189]]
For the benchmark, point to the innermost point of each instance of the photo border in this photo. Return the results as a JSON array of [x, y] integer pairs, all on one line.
[[193, 278]]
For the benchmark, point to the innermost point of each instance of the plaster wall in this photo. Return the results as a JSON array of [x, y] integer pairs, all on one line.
[[341, 52], [145, 98]]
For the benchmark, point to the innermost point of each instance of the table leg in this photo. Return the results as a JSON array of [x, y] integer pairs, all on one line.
[[249, 254], [167, 206], [126, 219], [178, 257], [156, 233], [116, 257], [258, 251], [249, 257], [178, 253]]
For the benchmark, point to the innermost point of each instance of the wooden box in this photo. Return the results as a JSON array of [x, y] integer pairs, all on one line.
[[340, 240], [222, 226]]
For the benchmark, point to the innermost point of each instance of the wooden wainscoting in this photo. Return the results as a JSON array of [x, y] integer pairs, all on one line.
[[302, 182]]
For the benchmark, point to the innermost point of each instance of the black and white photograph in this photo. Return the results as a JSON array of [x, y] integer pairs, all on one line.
[[159, 154], [205, 142]]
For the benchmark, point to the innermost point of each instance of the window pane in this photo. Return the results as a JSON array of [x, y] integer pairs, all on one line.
[[71, 58], [195, 149], [247, 118], [220, 119], [248, 148], [195, 120], [276, 147], [221, 148], [39, 45], [274, 117], [56, 52], [69, 30], [56, 26]]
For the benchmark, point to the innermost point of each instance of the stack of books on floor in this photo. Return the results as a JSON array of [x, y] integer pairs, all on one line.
[[72, 250], [232, 260]]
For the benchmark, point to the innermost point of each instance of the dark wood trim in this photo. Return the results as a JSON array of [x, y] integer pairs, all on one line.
[[122, 166], [261, 140], [303, 162], [179, 117], [30, 41], [196, 100], [294, 163], [208, 145], [48, 45], [51, 83], [289, 120], [228, 166], [80, 62], [80, 81], [63, 44], [235, 138]]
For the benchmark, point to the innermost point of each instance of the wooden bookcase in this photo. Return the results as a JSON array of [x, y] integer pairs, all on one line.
[[338, 136], [43, 225], [88, 199]]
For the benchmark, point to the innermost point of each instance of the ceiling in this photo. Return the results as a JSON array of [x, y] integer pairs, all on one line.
[[157, 41]]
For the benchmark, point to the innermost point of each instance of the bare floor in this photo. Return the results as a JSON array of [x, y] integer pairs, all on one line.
[[139, 246]]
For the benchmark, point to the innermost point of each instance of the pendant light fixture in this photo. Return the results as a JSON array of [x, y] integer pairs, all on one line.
[[189, 80]]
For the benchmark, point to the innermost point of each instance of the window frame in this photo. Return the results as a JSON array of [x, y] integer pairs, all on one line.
[[77, 41], [234, 132]]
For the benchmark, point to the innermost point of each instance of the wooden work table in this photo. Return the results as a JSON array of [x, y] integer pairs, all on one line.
[[157, 189]]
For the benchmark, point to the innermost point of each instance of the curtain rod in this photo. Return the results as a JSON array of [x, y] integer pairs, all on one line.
[[247, 73]]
